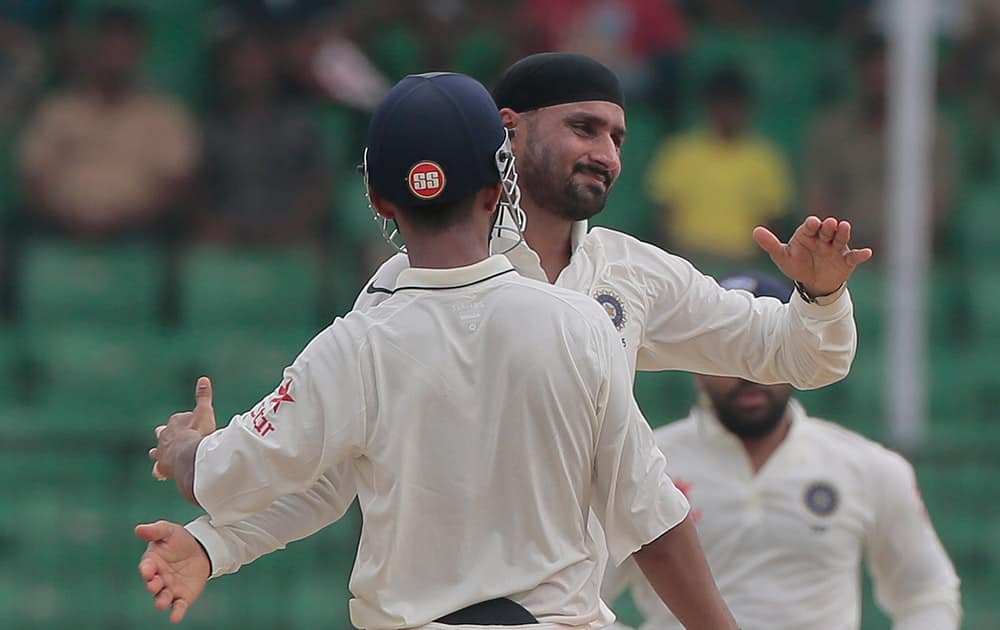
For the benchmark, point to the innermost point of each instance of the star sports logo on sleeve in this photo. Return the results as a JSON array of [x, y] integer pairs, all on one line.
[[426, 180], [258, 415]]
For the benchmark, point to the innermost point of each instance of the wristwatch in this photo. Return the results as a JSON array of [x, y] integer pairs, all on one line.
[[823, 300]]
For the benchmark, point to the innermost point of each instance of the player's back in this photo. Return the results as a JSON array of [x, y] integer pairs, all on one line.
[[482, 424]]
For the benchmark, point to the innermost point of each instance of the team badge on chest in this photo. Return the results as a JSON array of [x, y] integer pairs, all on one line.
[[821, 498], [613, 305]]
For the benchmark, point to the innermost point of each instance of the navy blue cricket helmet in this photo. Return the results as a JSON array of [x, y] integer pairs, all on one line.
[[760, 284], [438, 138]]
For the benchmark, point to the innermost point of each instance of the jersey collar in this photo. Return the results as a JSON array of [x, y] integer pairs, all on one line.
[[455, 278], [526, 260]]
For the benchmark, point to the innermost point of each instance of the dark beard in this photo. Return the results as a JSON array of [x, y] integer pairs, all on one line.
[[574, 201], [742, 426]]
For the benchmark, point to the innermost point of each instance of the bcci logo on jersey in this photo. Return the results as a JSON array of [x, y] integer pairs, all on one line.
[[821, 498], [613, 305]]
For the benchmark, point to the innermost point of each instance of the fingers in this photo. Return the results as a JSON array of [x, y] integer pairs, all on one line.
[[180, 609], [158, 430], [155, 585], [163, 599], [828, 230], [811, 226], [158, 474], [768, 242], [152, 532], [843, 235], [203, 393], [857, 256], [147, 568]]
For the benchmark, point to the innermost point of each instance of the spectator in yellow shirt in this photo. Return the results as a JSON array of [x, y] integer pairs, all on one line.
[[714, 185]]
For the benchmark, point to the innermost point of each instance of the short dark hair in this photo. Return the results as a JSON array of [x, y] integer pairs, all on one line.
[[728, 84], [119, 18], [438, 216]]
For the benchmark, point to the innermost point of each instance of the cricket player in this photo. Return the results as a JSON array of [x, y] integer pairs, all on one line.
[[484, 415], [786, 504], [566, 113]]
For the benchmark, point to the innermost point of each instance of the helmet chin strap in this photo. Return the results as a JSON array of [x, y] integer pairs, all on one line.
[[510, 220]]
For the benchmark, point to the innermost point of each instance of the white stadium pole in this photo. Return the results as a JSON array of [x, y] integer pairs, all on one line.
[[908, 236]]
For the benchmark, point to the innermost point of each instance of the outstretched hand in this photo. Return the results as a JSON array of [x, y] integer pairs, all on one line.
[[818, 255], [174, 567]]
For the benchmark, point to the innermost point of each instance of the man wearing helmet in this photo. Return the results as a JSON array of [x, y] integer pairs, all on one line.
[[448, 407]]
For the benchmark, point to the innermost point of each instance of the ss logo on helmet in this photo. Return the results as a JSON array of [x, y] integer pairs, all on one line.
[[426, 180]]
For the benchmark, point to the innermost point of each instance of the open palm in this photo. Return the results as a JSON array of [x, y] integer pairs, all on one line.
[[818, 255], [174, 567]]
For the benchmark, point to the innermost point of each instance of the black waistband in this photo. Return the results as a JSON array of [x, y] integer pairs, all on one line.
[[493, 612]]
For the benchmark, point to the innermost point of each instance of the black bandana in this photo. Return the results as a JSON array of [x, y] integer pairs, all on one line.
[[548, 79]]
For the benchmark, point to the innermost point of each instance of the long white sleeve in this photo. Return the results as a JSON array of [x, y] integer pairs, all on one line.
[[915, 582], [313, 421], [633, 497], [695, 325], [290, 518], [295, 516]]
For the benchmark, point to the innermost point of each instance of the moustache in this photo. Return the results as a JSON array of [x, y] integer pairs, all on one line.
[[733, 395], [603, 173]]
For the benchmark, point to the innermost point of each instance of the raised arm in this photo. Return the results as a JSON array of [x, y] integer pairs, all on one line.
[[695, 325]]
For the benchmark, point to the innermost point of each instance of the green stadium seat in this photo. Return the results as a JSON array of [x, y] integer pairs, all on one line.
[[354, 220], [480, 54], [223, 288], [13, 368], [244, 366], [98, 284], [979, 225], [965, 393], [343, 136], [398, 51], [868, 295], [984, 302], [95, 381], [665, 396]]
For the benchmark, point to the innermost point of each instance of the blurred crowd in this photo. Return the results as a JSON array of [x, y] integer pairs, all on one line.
[[230, 148]]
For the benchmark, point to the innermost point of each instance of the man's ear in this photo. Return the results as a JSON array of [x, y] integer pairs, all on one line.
[[383, 207], [510, 118], [488, 198]]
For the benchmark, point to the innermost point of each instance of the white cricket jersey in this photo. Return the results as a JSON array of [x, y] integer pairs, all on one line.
[[785, 545], [484, 415], [672, 317], [668, 316]]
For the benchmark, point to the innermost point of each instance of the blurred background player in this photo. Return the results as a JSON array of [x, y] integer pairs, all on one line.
[[448, 408], [786, 505]]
